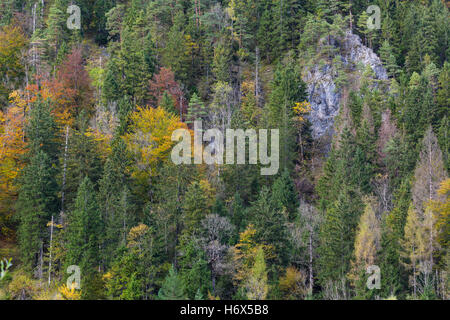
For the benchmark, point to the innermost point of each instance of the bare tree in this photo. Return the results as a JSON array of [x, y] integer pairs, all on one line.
[[217, 231], [429, 172]]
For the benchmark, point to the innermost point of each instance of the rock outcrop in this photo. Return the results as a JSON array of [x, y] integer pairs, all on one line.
[[324, 96]]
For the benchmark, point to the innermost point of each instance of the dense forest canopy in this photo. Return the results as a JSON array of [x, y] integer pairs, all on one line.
[[92, 205]]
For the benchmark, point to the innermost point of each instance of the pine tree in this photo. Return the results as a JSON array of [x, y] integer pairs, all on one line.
[[115, 199], [283, 196], [388, 58], [222, 61], [176, 54], [444, 141], [194, 270], [136, 58], [41, 131], [196, 110], [172, 288], [338, 235], [197, 204], [270, 224], [112, 88], [167, 103], [287, 89], [417, 112], [37, 203], [37, 200], [83, 159], [56, 31], [83, 234], [443, 93]]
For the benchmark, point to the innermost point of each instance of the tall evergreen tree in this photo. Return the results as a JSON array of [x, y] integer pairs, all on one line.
[[38, 201], [83, 235], [115, 199], [172, 288]]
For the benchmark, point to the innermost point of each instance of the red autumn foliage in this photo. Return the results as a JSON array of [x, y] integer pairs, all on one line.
[[165, 81], [75, 79]]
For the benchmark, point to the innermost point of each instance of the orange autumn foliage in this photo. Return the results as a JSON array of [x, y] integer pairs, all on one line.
[[12, 147]]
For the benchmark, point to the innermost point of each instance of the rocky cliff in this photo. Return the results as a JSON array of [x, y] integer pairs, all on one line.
[[324, 95]]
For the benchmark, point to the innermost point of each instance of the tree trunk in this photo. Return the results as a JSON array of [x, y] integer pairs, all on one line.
[[50, 250]]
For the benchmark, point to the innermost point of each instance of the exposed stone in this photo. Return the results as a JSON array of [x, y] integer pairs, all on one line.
[[324, 97]]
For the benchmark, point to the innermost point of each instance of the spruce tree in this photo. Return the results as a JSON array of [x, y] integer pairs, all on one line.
[[172, 288], [115, 199], [38, 201], [337, 236], [83, 159], [83, 234], [271, 226], [196, 110], [287, 89], [284, 196]]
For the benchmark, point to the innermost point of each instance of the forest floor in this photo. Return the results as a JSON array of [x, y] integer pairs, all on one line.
[[8, 250]]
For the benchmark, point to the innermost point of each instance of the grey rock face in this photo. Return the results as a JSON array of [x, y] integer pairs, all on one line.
[[324, 97]]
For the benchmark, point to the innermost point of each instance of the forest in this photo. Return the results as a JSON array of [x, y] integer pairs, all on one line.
[[93, 207]]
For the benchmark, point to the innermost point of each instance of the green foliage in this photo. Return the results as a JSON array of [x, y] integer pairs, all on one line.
[[83, 235], [145, 228], [287, 89], [83, 160], [337, 236], [37, 200], [115, 199], [172, 288]]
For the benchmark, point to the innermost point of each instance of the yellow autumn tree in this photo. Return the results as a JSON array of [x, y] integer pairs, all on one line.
[[249, 108], [12, 148], [439, 215], [135, 238], [256, 284], [293, 284], [301, 109], [13, 44], [69, 293], [441, 209], [413, 245], [249, 265], [149, 139], [367, 242]]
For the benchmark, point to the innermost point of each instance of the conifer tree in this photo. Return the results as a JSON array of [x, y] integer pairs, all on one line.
[[413, 245], [196, 110], [367, 244], [36, 204], [56, 31], [37, 200], [115, 199], [83, 159], [338, 236], [284, 197], [172, 288], [388, 58], [194, 271], [270, 224], [287, 89], [83, 234]]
